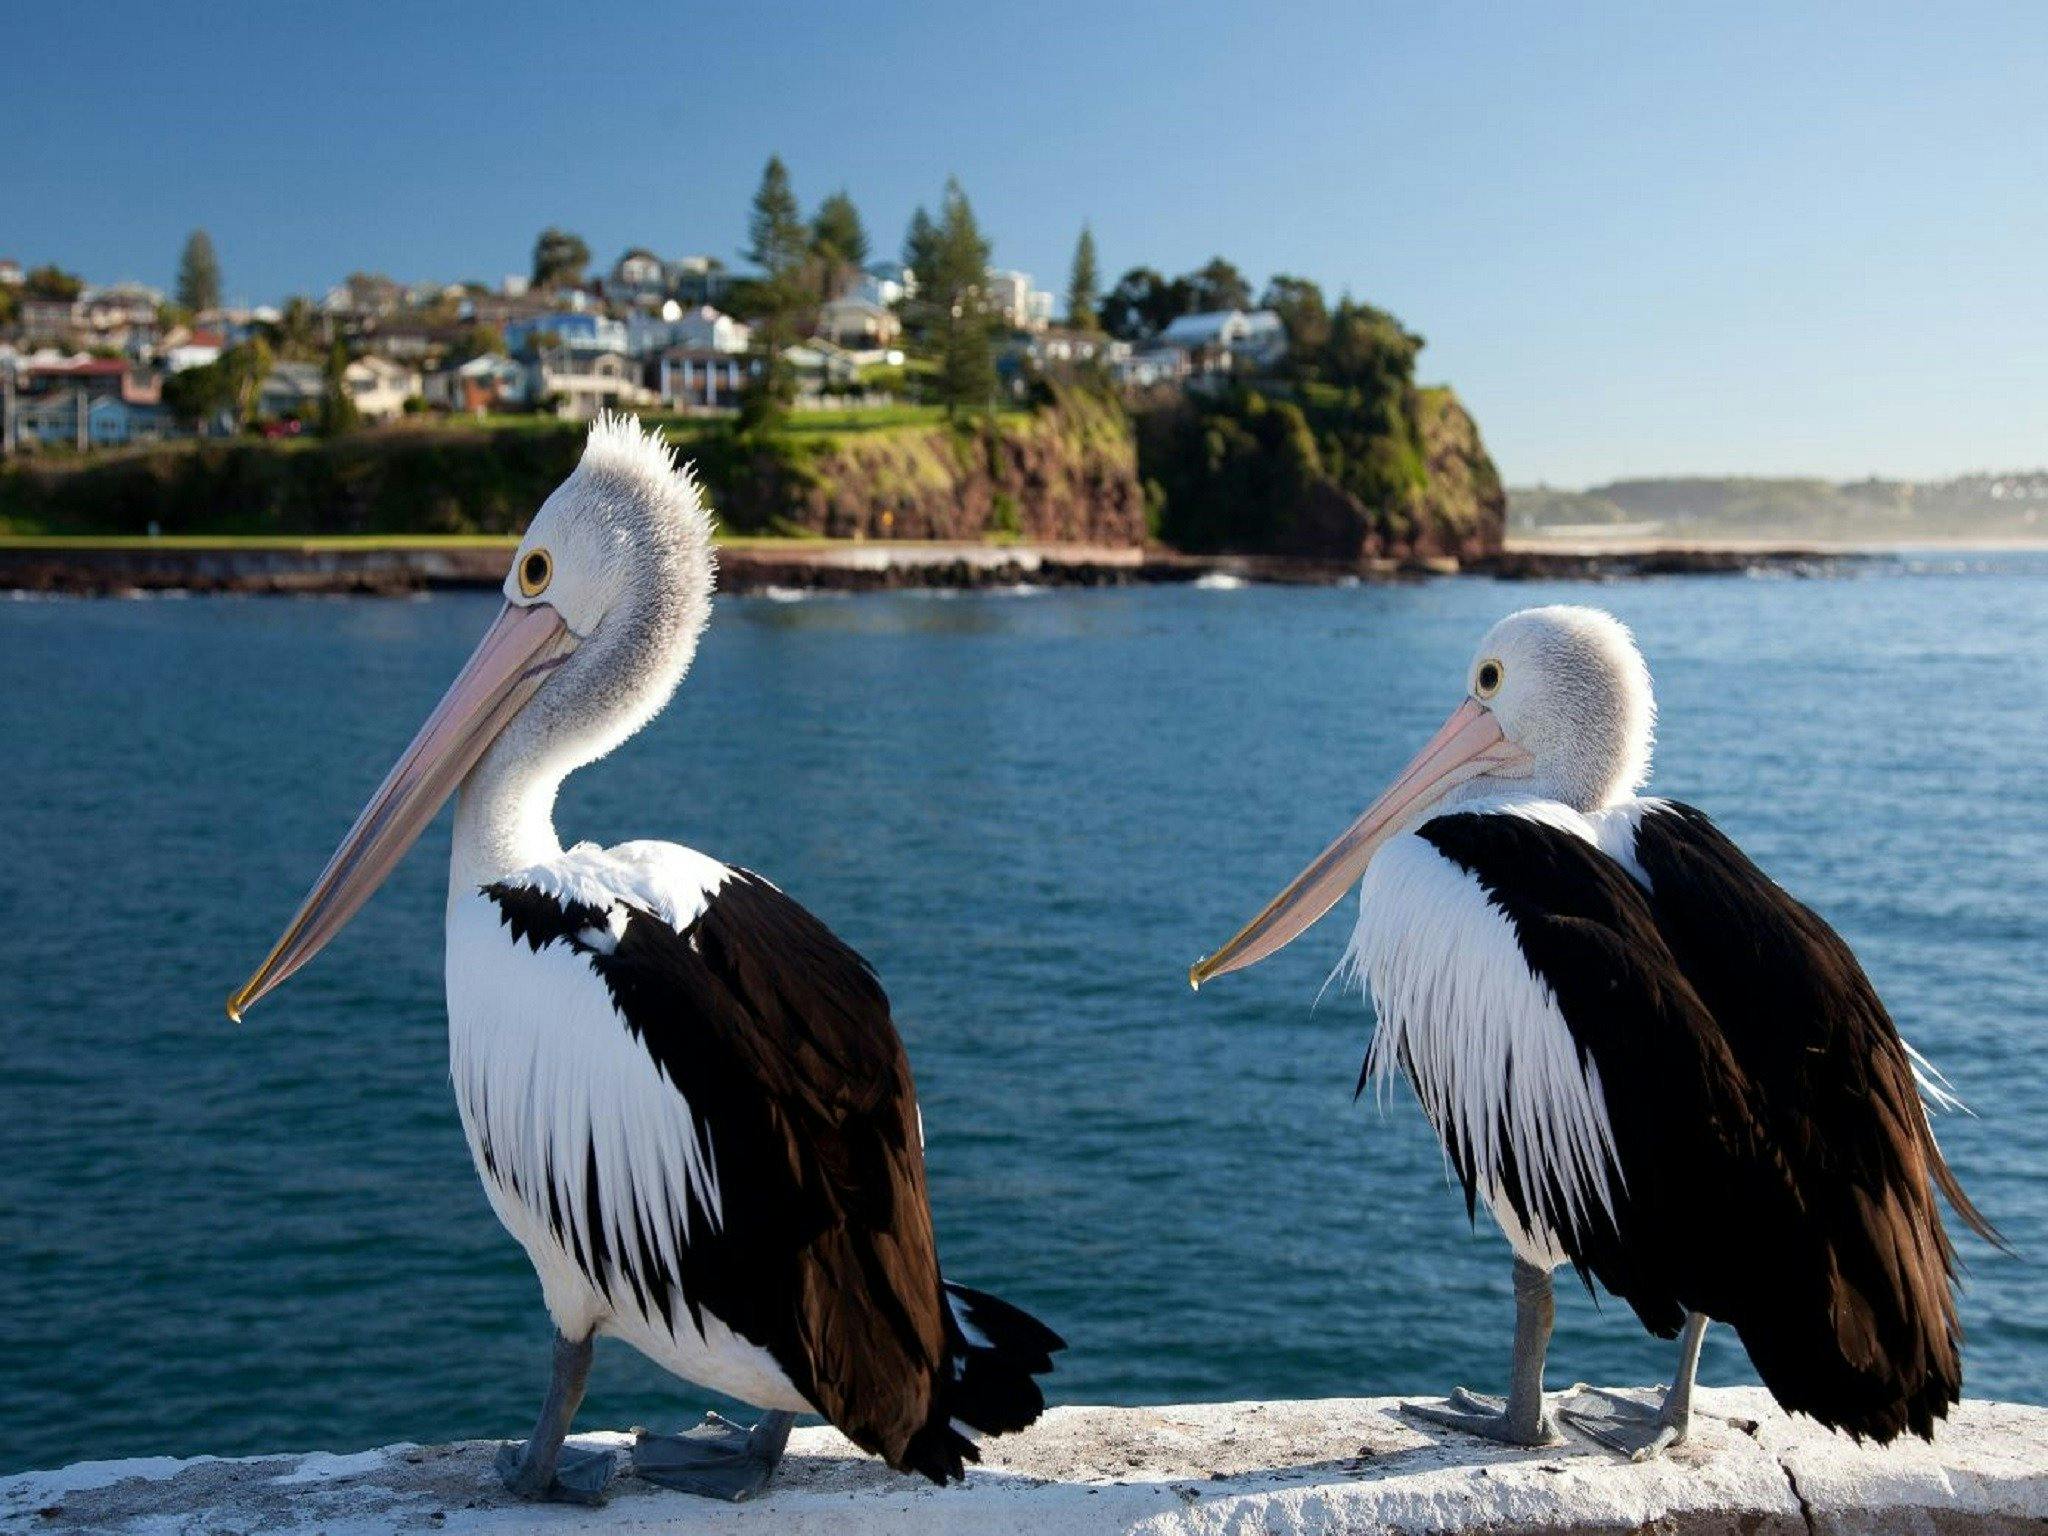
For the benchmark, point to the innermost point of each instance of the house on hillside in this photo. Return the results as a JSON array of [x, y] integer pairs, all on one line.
[[11, 275], [639, 276], [380, 387], [76, 419], [703, 328], [822, 367], [1059, 347], [97, 377], [858, 323], [695, 280], [488, 383], [183, 348], [577, 383], [887, 283], [48, 321], [291, 391], [1227, 340], [701, 378], [566, 329], [1015, 303]]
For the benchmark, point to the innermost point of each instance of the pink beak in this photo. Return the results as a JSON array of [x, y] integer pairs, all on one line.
[[516, 655], [1470, 744]]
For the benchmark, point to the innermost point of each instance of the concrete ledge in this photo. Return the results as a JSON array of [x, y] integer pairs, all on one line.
[[1343, 1465]]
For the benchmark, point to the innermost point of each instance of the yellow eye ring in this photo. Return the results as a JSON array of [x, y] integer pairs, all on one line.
[[535, 572], [1486, 681]]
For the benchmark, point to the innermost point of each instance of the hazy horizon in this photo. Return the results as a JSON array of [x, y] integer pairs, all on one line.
[[1770, 242]]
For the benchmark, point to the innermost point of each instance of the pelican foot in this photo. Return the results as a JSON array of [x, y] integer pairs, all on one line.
[[1490, 1418], [716, 1460], [1637, 1431], [578, 1477]]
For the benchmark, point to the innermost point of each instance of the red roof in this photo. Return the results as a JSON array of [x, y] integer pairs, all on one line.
[[92, 367]]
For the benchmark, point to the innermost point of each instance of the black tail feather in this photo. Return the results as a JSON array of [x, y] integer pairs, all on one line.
[[997, 1351]]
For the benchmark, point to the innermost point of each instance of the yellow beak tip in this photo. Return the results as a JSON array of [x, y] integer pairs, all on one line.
[[235, 1005]]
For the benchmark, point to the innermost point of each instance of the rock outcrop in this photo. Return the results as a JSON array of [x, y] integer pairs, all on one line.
[[1310, 1469]]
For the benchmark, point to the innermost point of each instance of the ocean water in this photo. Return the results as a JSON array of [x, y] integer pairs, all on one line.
[[1031, 812]]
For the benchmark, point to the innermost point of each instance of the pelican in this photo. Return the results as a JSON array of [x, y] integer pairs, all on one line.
[[684, 1095], [1641, 1055]]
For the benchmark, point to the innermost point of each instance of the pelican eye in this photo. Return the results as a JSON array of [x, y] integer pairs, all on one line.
[[535, 571], [1486, 682]]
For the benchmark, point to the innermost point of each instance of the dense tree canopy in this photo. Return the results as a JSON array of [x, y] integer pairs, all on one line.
[[50, 281], [1218, 285], [1299, 304], [559, 259]]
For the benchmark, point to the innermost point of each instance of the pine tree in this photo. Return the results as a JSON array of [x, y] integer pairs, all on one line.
[[921, 248], [839, 243], [776, 239], [967, 371], [198, 273], [1084, 283], [779, 244]]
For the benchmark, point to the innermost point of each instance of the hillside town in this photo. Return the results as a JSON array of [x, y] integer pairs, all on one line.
[[86, 365]]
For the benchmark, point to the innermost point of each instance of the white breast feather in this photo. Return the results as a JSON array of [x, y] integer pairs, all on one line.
[[1493, 1060], [546, 1071]]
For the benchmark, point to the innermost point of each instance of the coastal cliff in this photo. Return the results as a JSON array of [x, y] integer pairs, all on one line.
[[1322, 473], [1309, 1468], [1322, 478], [1063, 473]]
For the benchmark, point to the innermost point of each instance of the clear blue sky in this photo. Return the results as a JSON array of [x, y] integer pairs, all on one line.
[[1772, 239]]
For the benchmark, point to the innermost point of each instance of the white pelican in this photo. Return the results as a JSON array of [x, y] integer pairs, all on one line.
[[1641, 1054], [685, 1097]]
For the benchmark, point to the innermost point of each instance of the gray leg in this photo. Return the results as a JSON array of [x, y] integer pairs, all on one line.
[[545, 1468], [1521, 1419], [1634, 1429], [718, 1459]]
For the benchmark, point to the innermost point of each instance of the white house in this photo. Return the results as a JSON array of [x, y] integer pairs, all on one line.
[[859, 323], [380, 387], [1227, 340], [1013, 300], [580, 384], [190, 349], [702, 378], [700, 329], [885, 283]]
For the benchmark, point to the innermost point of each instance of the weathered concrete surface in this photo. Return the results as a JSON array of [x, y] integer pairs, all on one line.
[[1339, 1466]]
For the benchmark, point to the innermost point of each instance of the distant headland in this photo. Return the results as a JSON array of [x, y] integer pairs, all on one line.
[[819, 390]]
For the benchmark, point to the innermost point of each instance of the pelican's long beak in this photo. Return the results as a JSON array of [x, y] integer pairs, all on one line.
[[516, 655], [1470, 744]]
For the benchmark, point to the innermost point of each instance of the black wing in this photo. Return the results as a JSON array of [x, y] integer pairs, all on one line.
[[1785, 1190], [781, 1037]]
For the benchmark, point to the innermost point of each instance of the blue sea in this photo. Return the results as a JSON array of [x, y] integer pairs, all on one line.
[[1031, 811]]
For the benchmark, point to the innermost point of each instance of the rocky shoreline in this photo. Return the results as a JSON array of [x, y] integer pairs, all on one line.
[[88, 570]]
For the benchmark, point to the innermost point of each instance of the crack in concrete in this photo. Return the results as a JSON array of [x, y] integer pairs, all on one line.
[[1754, 1430], [1805, 1509]]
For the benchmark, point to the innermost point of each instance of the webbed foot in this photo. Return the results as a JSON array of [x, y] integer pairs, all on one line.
[[1638, 1431], [718, 1459], [1490, 1418], [579, 1475]]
